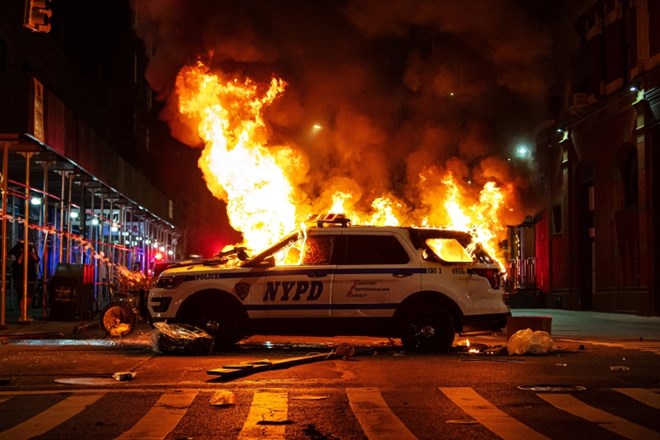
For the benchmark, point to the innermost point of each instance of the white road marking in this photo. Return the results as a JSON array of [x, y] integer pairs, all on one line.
[[490, 416], [267, 418], [163, 417], [376, 418], [52, 417], [646, 396], [623, 427]]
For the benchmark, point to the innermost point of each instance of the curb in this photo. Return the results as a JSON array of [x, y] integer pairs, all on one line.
[[32, 335]]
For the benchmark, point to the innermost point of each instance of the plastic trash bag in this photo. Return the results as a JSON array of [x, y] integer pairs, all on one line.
[[223, 398], [183, 339], [528, 341]]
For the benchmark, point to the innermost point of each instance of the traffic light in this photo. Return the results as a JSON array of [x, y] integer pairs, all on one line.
[[37, 15]]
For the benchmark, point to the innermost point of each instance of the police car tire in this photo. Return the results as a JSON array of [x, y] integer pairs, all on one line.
[[118, 319], [427, 329], [203, 313]]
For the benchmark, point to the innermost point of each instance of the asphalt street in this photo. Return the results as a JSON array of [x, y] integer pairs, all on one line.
[[563, 324]]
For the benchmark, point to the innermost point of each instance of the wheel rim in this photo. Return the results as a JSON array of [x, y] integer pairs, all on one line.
[[219, 324], [211, 326], [207, 322], [429, 331], [116, 321], [424, 333]]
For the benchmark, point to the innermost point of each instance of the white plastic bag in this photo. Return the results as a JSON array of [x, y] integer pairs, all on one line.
[[528, 341]]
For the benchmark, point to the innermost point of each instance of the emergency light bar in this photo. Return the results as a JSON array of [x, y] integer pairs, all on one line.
[[329, 219]]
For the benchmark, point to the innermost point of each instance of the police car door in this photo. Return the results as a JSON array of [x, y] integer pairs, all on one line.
[[377, 271], [303, 290]]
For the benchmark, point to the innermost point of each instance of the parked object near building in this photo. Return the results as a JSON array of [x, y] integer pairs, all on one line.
[[72, 292]]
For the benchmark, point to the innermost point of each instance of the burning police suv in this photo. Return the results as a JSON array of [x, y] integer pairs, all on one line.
[[420, 284]]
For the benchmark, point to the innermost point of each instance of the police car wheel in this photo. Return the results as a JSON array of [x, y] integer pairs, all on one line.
[[216, 321], [427, 329]]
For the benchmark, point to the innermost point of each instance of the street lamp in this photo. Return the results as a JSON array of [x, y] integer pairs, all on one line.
[[523, 151]]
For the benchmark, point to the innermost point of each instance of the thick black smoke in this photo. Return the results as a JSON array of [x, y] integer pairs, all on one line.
[[398, 86]]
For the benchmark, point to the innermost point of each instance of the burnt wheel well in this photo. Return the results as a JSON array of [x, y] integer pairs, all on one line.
[[429, 299]]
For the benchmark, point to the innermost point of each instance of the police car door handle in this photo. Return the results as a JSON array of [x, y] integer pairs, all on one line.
[[317, 274], [401, 274]]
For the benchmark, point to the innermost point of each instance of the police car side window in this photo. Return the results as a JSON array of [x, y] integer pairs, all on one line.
[[375, 249]]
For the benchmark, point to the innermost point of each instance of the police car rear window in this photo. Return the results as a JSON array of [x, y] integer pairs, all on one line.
[[374, 249], [449, 250]]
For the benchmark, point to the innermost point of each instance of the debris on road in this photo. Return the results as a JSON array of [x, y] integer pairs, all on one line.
[[89, 381], [527, 341], [124, 375], [227, 372], [551, 388], [182, 339], [476, 349], [223, 398], [462, 422], [276, 422]]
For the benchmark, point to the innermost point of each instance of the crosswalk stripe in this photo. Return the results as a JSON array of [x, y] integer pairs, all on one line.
[[647, 397], [52, 417], [490, 416], [162, 418], [623, 427], [267, 417], [375, 417]]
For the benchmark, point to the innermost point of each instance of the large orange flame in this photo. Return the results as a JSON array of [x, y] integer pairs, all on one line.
[[237, 166], [255, 178]]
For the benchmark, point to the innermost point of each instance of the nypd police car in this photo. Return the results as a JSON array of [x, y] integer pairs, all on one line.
[[423, 285]]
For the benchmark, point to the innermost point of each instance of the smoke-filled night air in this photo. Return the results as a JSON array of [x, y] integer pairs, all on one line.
[[379, 104]]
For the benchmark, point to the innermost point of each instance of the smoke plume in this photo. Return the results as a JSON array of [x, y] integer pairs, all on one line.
[[400, 88]]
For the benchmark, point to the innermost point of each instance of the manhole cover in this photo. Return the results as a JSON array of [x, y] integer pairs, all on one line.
[[552, 388], [92, 381]]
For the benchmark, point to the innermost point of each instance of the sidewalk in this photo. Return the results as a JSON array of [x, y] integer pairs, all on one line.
[[587, 324], [44, 328], [565, 324]]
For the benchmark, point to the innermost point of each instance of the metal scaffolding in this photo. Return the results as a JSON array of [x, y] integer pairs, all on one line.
[[74, 220]]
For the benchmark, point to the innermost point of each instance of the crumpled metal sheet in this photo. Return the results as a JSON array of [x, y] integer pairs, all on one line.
[[183, 339]]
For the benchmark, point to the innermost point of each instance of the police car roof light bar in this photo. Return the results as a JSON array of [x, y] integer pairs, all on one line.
[[330, 219]]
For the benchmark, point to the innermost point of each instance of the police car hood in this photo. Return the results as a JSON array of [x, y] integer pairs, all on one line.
[[195, 267]]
